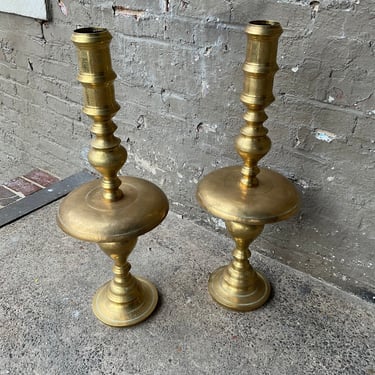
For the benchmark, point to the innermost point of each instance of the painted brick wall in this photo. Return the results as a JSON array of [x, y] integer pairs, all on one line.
[[179, 80]]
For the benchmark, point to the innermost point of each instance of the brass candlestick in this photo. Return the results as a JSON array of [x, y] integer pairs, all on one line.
[[112, 211], [248, 197]]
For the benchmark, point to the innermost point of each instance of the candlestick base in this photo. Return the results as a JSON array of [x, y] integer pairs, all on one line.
[[245, 211], [84, 214], [230, 296], [128, 306]]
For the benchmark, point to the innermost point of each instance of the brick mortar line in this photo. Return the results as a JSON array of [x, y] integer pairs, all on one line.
[[32, 182], [62, 100], [29, 86], [51, 60], [157, 41], [29, 142], [320, 104], [47, 109], [144, 87], [197, 20], [41, 156]]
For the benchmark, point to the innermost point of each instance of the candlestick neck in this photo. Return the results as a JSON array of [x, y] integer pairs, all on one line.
[[106, 155], [259, 69]]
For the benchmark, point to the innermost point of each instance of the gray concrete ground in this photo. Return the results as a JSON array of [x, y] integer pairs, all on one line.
[[47, 326]]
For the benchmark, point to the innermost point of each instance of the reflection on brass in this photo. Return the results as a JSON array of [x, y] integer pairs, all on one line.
[[112, 211], [248, 197]]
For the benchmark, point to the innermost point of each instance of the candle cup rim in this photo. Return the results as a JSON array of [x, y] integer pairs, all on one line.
[[89, 35], [90, 30], [268, 23], [263, 29]]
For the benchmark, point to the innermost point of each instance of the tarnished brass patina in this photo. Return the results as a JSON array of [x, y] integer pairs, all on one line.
[[112, 211], [248, 197]]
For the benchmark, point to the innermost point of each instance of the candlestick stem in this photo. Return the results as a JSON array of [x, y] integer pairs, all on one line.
[[259, 69]]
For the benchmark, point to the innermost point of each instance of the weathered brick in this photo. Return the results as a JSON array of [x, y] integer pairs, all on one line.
[[42, 178], [20, 185]]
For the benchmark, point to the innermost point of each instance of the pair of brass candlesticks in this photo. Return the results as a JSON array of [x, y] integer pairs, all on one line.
[[114, 211]]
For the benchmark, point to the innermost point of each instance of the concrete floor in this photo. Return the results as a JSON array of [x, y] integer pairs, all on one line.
[[47, 326]]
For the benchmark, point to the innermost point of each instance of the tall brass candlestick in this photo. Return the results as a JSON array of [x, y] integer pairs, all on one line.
[[248, 197], [112, 211]]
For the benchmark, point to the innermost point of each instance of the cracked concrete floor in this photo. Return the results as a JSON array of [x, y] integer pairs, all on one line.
[[47, 326]]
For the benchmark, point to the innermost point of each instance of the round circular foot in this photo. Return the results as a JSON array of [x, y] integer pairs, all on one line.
[[125, 314], [236, 299]]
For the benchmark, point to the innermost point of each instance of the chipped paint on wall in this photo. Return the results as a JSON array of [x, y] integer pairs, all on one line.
[[295, 69], [63, 8], [147, 165], [324, 135], [119, 10]]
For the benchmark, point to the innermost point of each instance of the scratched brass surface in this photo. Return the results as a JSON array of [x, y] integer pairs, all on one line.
[[238, 286], [248, 197], [142, 208], [274, 199], [112, 211]]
